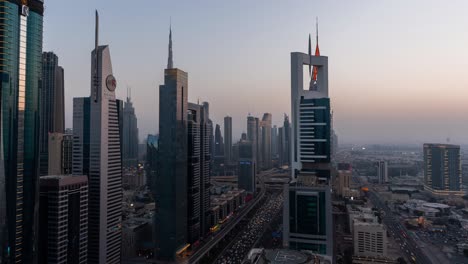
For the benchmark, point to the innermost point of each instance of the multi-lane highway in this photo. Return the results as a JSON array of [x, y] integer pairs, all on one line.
[[407, 244], [204, 249]]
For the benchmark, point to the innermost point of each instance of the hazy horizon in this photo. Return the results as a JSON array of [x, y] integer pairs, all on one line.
[[392, 79]]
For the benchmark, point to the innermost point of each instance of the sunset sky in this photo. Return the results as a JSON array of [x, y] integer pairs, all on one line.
[[398, 70]]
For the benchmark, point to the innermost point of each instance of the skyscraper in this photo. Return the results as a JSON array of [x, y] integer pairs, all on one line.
[[307, 217], [442, 169], [382, 172], [63, 223], [266, 141], [284, 142], [129, 135], [228, 139], [246, 167], [219, 150], [252, 136], [60, 154], [97, 154], [20, 74], [52, 110], [274, 142], [206, 128], [171, 186], [151, 165], [193, 173]]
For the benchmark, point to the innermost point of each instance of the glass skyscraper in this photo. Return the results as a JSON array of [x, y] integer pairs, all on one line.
[[20, 75]]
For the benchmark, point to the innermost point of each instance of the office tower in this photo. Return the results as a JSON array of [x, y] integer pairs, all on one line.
[[258, 147], [129, 135], [63, 219], [266, 141], [21, 73], [246, 166], [370, 239], [442, 169], [52, 108], [382, 172], [228, 139], [274, 142], [307, 221], [151, 164], [343, 183], [60, 154], [171, 186], [97, 125], [218, 142]]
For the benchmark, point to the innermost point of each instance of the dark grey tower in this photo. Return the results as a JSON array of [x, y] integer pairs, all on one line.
[[129, 135], [228, 139], [193, 173], [52, 111], [171, 186]]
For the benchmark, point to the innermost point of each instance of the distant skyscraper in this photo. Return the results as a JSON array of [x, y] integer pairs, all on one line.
[[60, 154], [171, 185], [382, 172], [284, 142], [151, 165], [228, 139], [52, 107], [218, 141], [97, 154], [307, 217], [129, 135], [246, 166], [266, 141], [63, 225], [274, 142], [20, 74], [252, 136], [442, 169]]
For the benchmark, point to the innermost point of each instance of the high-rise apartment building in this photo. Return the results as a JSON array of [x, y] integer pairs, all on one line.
[[246, 166], [199, 159], [266, 141], [20, 74], [382, 172], [60, 154], [228, 139], [307, 217], [63, 219], [52, 110], [442, 169], [129, 135], [171, 185], [97, 153]]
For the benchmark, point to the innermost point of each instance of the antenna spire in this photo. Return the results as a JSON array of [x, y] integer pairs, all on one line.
[[170, 64]]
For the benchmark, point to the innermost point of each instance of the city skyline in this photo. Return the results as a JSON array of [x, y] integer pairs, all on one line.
[[388, 59]]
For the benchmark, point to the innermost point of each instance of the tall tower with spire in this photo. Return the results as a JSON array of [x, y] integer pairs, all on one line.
[[171, 219], [170, 64], [97, 154]]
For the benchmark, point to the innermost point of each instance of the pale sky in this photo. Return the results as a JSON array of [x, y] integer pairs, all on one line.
[[397, 69]]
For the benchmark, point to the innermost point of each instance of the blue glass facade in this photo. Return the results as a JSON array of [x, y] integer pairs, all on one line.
[[20, 75]]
